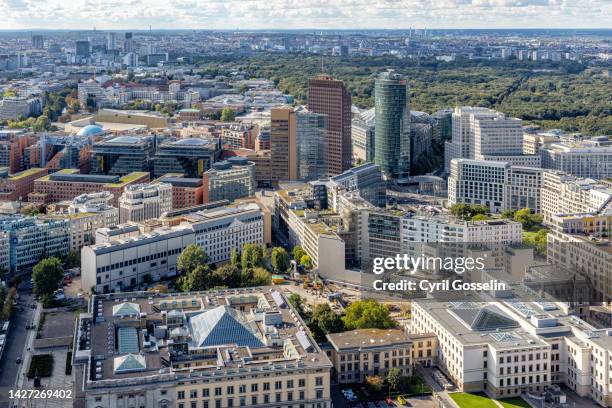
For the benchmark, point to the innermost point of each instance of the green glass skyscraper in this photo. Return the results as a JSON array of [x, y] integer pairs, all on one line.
[[392, 137]]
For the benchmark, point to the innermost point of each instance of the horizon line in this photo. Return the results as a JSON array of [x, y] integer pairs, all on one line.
[[306, 29]]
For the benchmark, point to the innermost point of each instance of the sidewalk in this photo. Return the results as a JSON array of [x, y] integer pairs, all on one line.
[[21, 380], [438, 391]]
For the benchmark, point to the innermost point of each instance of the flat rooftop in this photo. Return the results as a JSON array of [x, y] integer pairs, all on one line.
[[365, 338], [225, 332]]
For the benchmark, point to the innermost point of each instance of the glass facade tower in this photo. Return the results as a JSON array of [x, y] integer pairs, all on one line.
[[392, 140]]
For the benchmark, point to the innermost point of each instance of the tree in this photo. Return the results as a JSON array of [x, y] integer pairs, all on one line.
[[252, 256], [227, 275], [527, 218], [228, 115], [298, 252], [201, 277], [279, 259], [508, 214], [183, 283], [375, 382], [47, 275], [326, 319], [73, 259], [537, 240], [367, 314], [235, 257], [7, 306], [467, 211], [394, 378], [190, 258], [260, 277], [42, 123], [306, 261], [480, 217], [297, 302]]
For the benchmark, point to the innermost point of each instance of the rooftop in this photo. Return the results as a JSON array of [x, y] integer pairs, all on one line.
[[25, 173], [365, 338], [205, 334]]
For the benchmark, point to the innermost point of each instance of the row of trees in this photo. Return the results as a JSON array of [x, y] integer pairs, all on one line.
[[7, 297], [246, 269]]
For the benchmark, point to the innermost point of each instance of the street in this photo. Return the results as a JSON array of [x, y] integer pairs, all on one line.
[[15, 346]]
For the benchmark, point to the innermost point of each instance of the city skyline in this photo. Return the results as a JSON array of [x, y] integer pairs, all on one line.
[[311, 14]]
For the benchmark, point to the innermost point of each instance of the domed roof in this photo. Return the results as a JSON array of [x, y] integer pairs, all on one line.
[[90, 130]]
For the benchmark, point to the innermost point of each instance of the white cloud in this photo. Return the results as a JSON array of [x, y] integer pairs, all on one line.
[[219, 14]]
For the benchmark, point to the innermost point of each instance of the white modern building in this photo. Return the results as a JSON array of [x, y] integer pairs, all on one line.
[[485, 134], [498, 185], [588, 158], [563, 193], [516, 345], [128, 256], [141, 202]]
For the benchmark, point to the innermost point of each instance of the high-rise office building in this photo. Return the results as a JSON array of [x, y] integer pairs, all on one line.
[[37, 42], [485, 134], [128, 43], [392, 142], [82, 49], [310, 134], [283, 142], [111, 41], [330, 97]]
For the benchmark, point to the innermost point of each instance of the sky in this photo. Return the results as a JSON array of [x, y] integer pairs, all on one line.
[[297, 14]]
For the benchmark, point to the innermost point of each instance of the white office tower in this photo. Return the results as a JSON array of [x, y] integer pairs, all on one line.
[[498, 185], [111, 41], [485, 134], [142, 202]]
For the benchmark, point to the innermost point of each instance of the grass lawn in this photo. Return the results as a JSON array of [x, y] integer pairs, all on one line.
[[514, 403], [466, 400]]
